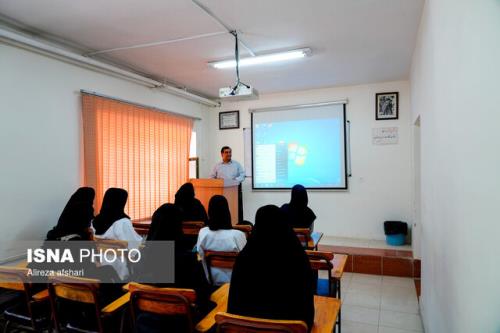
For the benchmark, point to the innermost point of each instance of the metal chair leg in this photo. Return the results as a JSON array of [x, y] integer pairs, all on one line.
[[6, 326], [339, 291]]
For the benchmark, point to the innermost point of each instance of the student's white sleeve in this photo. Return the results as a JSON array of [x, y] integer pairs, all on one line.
[[199, 247], [241, 240], [201, 252], [125, 231]]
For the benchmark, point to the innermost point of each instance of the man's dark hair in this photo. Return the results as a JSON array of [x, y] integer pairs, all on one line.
[[224, 148]]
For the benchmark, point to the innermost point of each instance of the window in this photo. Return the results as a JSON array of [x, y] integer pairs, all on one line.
[[193, 159], [141, 150], [192, 146]]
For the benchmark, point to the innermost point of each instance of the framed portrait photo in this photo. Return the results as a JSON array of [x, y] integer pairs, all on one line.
[[229, 120], [387, 106]]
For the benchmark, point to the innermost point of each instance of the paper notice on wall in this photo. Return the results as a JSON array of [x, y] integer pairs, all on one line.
[[385, 136]]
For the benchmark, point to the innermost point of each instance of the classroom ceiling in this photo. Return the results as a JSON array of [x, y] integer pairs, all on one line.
[[352, 41]]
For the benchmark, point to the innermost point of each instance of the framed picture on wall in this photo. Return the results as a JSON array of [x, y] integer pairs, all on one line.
[[229, 120], [387, 106]]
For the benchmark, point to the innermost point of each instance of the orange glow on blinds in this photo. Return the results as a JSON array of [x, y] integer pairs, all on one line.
[[141, 150]]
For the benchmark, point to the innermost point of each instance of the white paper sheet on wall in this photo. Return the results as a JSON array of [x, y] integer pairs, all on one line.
[[247, 141], [385, 136]]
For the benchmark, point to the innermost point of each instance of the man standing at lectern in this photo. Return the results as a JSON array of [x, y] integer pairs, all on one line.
[[230, 170]]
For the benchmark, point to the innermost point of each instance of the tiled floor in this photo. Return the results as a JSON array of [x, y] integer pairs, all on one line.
[[379, 304]]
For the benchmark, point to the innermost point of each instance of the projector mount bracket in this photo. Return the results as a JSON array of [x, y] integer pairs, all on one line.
[[237, 59]]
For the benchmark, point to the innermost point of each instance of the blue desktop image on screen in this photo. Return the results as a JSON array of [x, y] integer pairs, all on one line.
[[306, 152]]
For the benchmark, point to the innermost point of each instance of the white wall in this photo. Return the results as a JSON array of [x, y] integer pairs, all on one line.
[[40, 130], [455, 91], [380, 188]]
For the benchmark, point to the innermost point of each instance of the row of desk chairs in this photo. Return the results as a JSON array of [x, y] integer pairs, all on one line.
[[32, 317], [141, 299], [25, 305], [320, 261], [192, 228], [40, 311]]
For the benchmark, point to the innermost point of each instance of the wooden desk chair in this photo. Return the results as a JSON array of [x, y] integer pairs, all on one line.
[[189, 228], [114, 244], [229, 323], [308, 239], [334, 265], [8, 298], [322, 261], [245, 228], [304, 236], [105, 244], [326, 310], [219, 259], [192, 228], [164, 302], [25, 311], [141, 228], [84, 294]]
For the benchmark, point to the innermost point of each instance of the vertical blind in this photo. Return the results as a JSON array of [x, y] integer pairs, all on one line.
[[141, 150]]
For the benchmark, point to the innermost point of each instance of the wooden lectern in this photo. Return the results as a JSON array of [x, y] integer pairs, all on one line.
[[205, 188]]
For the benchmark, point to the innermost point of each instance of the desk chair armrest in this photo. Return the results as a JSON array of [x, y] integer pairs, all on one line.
[[41, 296], [116, 304], [22, 264], [339, 261], [220, 297]]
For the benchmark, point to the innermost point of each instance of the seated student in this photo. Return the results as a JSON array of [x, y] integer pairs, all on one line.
[[113, 223], [82, 315], [298, 214], [73, 225], [72, 221], [191, 208], [219, 236], [166, 225], [272, 276]]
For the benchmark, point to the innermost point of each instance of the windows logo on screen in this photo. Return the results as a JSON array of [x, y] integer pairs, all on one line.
[[297, 153]]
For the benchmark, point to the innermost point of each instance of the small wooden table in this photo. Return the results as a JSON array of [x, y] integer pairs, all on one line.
[[338, 262], [325, 311]]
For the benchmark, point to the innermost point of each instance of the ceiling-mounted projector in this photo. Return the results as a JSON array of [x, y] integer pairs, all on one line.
[[240, 93]]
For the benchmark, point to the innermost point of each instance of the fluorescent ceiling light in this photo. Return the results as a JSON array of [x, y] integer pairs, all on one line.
[[263, 59]]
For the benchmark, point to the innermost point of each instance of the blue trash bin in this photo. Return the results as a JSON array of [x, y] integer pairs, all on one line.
[[397, 239], [395, 232]]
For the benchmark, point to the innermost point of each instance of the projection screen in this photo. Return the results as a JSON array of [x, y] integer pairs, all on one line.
[[304, 144]]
